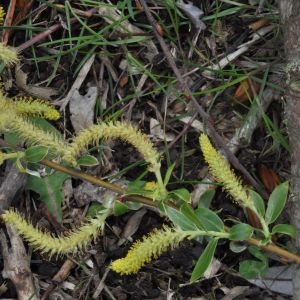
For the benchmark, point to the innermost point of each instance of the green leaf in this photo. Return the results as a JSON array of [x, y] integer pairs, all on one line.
[[190, 214], [178, 218], [12, 138], [168, 174], [120, 208], [251, 269], [45, 125], [240, 232], [136, 187], [19, 166], [209, 219], [33, 172], [276, 202], [257, 252], [133, 205], [87, 161], [258, 203], [181, 194], [94, 209], [285, 229], [49, 189], [237, 247], [204, 260], [35, 154], [206, 198]]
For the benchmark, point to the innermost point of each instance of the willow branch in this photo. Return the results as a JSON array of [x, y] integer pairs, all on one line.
[[272, 248]]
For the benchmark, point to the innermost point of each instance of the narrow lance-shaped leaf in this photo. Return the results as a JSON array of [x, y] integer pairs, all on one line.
[[204, 260], [190, 214], [258, 203], [178, 218], [209, 219]]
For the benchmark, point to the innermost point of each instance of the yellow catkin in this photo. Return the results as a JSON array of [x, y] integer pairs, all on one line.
[[116, 130], [2, 14], [220, 169], [46, 243], [34, 135], [151, 247], [28, 106], [8, 55]]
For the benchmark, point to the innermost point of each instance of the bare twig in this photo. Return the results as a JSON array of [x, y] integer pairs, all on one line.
[[43, 35], [59, 277]]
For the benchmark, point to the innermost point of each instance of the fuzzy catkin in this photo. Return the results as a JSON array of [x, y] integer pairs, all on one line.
[[46, 243], [151, 247], [221, 171], [8, 55], [114, 130], [2, 14], [27, 106], [34, 135]]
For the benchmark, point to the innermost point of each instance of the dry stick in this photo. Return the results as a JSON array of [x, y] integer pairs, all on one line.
[[41, 36], [183, 131], [215, 136], [59, 277], [148, 201]]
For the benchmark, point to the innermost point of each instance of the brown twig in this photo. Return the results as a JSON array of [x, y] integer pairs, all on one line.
[[183, 131], [41, 36], [206, 118], [59, 277]]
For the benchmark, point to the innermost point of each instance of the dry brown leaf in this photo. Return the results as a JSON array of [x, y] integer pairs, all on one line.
[[258, 24], [158, 133], [252, 218], [123, 80], [269, 177], [234, 292], [132, 225], [82, 108], [246, 90], [78, 82], [32, 89], [193, 12]]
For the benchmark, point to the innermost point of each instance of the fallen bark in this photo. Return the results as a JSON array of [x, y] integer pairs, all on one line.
[[17, 265]]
